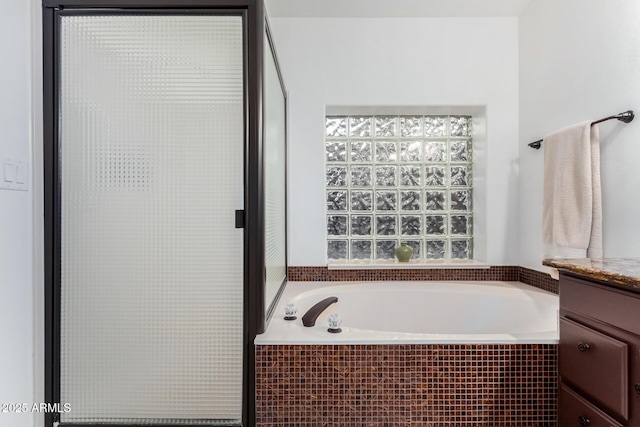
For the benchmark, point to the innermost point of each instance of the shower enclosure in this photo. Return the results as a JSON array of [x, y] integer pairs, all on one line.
[[165, 208]]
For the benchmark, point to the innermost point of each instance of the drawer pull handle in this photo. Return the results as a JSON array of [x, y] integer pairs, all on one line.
[[583, 347], [637, 387], [584, 421]]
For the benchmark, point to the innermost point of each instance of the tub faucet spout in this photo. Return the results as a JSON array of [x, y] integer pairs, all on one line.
[[309, 318]]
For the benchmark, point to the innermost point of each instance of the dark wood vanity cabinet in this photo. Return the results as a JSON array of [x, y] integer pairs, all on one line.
[[599, 354]]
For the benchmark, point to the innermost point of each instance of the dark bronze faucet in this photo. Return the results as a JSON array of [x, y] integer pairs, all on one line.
[[309, 318]]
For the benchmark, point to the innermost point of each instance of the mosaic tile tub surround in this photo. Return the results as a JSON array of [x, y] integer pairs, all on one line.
[[500, 273], [431, 385], [407, 385]]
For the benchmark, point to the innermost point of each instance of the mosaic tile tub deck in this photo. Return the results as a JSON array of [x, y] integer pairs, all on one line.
[[501, 273], [406, 385], [431, 385]]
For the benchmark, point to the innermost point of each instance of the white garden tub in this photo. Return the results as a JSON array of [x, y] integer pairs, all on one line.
[[419, 313]]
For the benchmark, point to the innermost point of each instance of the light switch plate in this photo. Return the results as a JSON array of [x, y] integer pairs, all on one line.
[[14, 174]]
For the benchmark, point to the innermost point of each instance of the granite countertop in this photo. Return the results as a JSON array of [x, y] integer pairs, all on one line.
[[624, 272]]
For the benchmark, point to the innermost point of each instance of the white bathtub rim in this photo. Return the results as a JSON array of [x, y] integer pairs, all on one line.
[[282, 332], [318, 335]]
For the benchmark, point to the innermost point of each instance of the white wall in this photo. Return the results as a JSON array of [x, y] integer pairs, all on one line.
[[580, 60], [398, 62], [16, 277]]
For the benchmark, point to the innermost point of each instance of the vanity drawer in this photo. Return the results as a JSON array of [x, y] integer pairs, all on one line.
[[614, 307], [575, 411], [596, 364]]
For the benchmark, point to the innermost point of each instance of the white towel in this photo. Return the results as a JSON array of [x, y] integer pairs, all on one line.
[[572, 201]]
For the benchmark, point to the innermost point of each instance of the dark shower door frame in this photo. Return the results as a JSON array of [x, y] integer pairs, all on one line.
[[254, 312]]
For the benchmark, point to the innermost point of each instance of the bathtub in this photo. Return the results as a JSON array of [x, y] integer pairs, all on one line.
[[418, 313]]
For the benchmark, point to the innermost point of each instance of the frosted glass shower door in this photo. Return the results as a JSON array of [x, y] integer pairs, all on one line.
[[275, 156], [151, 146]]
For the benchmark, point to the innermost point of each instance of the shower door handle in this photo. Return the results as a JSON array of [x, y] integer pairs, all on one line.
[[240, 218]]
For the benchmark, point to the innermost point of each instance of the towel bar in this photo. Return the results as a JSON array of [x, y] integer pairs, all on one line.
[[626, 117]]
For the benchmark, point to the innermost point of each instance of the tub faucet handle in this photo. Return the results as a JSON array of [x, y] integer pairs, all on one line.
[[290, 311], [334, 323]]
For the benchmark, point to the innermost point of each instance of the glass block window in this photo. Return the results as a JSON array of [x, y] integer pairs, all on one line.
[[399, 179]]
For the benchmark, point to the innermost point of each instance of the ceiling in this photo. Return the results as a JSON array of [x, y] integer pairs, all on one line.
[[394, 8]]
